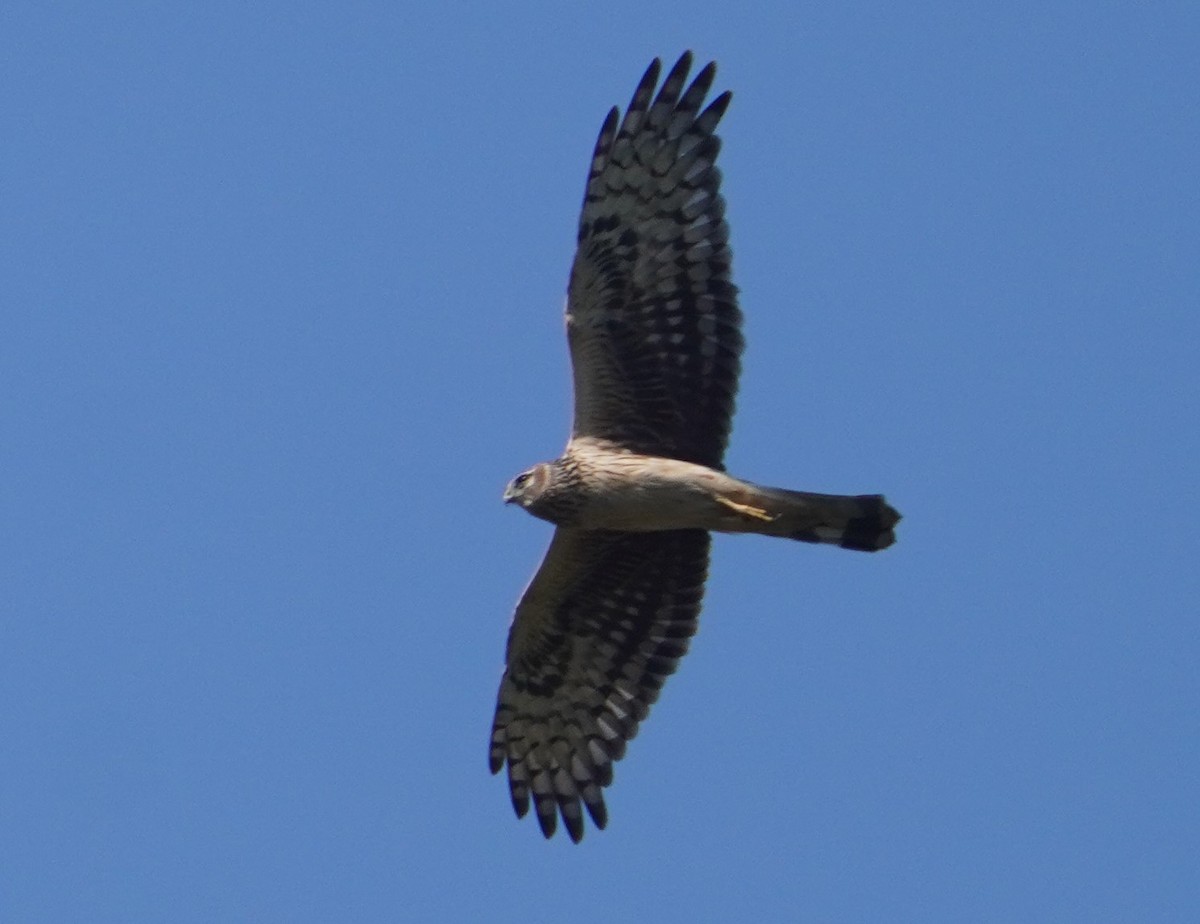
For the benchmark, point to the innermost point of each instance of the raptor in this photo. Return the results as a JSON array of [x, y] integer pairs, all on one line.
[[653, 327]]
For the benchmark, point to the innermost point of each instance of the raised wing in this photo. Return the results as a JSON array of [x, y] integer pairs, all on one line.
[[600, 627], [652, 316]]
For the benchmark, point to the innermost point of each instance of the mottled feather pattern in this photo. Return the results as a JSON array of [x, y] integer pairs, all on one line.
[[584, 670], [652, 315]]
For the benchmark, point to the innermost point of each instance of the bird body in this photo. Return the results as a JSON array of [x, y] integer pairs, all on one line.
[[615, 490]]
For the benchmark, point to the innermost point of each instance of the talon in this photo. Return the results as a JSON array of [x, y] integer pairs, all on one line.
[[754, 513]]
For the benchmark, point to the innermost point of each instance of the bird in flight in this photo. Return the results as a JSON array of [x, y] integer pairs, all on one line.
[[653, 327]]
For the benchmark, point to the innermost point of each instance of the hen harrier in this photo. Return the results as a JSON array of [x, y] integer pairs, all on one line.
[[653, 326]]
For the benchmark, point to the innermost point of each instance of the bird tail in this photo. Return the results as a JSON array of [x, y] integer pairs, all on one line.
[[863, 522]]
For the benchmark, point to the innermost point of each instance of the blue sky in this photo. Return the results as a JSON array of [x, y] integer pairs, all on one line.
[[282, 288]]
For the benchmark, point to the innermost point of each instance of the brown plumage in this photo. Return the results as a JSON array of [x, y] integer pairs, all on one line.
[[654, 331]]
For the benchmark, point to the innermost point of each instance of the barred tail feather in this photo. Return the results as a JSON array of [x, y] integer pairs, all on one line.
[[863, 522]]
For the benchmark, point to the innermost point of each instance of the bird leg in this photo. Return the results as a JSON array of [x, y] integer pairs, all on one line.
[[753, 513]]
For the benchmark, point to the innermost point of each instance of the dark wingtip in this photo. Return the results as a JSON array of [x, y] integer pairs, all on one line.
[[599, 812], [574, 826], [547, 816], [684, 63]]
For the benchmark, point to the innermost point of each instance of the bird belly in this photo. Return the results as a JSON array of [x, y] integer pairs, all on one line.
[[658, 494]]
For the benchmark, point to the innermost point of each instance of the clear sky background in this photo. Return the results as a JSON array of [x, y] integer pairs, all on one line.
[[281, 289]]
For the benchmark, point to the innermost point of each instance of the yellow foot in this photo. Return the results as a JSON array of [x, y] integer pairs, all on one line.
[[754, 513]]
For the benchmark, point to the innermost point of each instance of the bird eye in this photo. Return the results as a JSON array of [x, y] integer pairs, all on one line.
[[521, 480]]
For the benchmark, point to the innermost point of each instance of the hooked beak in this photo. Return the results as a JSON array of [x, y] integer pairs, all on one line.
[[510, 494]]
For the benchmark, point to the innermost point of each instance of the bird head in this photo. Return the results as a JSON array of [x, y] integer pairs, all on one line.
[[527, 486]]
